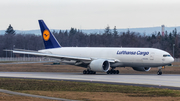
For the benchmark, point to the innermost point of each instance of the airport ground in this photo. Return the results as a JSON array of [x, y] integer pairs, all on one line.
[[85, 91]]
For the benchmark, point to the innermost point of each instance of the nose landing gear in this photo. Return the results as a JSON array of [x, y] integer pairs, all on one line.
[[159, 71]]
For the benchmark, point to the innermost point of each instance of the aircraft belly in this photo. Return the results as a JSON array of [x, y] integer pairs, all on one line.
[[142, 64], [118, 64], [143, 61]]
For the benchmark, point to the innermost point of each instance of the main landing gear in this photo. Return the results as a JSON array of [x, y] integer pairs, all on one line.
[[113, 71], [88, 72]]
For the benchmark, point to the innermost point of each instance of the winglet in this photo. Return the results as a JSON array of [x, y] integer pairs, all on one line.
[[48, 38]]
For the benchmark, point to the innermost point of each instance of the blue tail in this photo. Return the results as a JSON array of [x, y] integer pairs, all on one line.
[[48, 38]]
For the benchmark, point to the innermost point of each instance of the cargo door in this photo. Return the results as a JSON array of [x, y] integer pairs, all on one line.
[[152, 56]]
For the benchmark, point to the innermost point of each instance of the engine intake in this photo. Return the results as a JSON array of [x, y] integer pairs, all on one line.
[[100, 65], [146, 69]]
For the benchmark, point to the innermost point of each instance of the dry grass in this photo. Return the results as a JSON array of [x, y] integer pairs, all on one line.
[[8, 97], [39, 67]]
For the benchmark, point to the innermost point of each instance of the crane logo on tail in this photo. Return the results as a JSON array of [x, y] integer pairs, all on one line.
[[46, 35]]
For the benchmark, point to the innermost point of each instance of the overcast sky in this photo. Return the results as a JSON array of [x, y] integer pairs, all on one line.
[[88, 14]]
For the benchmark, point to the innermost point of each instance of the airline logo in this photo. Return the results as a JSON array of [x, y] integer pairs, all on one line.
[[46, 35], [132, 53]]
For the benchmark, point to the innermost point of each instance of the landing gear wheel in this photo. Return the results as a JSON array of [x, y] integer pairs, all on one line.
[[84, 72], [159, 73], [113, 72], [88, 72], [117, 71]]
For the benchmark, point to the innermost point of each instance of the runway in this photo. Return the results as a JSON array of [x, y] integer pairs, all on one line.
[[165, 80]]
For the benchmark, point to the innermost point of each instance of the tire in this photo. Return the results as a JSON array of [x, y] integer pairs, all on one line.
[[117, 71], [159, 73], [88, 72], [84, 72], [114, 72]]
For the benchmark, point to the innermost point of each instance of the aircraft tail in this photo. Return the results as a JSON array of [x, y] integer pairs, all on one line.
[[48, 38]]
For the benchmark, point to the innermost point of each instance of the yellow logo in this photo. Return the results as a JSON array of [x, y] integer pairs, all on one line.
[[46, 35]]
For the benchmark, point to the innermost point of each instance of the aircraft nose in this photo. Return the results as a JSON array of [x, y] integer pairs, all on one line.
[[171, 59]]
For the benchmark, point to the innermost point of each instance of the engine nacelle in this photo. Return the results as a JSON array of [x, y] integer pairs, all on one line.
[[100, 65], [142, 68]]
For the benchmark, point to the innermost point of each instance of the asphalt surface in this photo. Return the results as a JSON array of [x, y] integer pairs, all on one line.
[[171, 81]]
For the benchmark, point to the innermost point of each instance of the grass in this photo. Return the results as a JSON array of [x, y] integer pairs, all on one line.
[[9, 97], [50, 85], [7, 61]]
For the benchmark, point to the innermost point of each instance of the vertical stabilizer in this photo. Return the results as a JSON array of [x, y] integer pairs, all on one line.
[[48, 38]]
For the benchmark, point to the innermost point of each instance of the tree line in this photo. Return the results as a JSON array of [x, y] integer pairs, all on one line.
[[77, 38]]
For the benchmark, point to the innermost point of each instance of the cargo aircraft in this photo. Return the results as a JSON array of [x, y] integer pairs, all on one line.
[[102, 59]]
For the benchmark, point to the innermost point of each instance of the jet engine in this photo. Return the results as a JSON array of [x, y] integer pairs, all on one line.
[[146, 69], [99, 65]]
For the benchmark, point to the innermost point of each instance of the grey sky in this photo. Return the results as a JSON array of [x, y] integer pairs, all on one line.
[[88, 14]]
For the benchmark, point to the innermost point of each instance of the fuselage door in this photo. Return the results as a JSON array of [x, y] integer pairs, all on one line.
[[152, 56]]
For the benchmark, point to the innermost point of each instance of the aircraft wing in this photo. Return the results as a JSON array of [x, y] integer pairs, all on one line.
[[52, 55], [26, 62]]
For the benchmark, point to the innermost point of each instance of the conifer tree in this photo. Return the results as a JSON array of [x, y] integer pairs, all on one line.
[[115, 31], [107, 30], [10, 30]]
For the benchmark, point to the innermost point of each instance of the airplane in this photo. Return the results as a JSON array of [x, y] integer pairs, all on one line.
[[102, 59]]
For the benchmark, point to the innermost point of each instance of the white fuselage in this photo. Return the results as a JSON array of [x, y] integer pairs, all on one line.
[[134, 57]]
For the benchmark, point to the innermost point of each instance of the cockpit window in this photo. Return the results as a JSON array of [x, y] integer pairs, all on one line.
[[166, 55]]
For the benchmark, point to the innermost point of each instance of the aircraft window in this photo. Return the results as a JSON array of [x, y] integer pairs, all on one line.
[[166, 55]]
